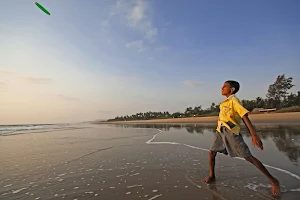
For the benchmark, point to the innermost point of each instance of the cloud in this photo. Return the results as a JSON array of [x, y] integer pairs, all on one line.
[[161, 48], [190, 83], [7, 77], [3, 84], [135, 13], [38, 80], [138, 18], [169, 22], [6, 73], [138, 45], [104, 111], [67, 97]]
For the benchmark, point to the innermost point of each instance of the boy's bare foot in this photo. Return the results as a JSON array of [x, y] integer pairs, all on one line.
[[209, 179], [275, 187]]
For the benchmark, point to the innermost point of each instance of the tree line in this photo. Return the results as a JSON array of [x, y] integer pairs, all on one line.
[[277, 97]]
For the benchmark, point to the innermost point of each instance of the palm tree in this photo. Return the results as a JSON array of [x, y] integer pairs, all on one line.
[[188, 111]]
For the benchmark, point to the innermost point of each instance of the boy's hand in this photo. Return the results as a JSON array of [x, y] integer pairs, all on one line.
[[255, 138], [257, 142]]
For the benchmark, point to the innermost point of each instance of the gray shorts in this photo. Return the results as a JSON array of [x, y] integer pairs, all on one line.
[[229, 143]]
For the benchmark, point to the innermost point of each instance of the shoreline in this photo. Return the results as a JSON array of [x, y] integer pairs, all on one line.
[[285, 118]]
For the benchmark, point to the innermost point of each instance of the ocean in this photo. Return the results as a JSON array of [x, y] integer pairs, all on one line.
[[16, 129]]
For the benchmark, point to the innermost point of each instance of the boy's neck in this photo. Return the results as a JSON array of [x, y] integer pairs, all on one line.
[[229, 95]]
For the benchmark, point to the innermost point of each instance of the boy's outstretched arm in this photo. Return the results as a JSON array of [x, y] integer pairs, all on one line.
[[255, 138]]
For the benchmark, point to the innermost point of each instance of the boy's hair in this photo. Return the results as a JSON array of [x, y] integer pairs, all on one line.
[[234, 84]]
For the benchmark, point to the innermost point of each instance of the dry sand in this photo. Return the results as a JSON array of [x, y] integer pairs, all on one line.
[[255, 118]]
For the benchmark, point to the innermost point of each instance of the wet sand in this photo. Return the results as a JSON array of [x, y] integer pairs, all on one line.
[[125, 162], [293, 117]]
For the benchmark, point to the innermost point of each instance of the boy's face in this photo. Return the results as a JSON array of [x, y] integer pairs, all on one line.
[[227, 90]]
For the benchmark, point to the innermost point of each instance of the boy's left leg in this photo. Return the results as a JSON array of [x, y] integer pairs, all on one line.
[[275, 190], [237, 147]]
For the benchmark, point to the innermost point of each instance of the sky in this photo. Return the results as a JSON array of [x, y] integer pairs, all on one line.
[[99, 59]]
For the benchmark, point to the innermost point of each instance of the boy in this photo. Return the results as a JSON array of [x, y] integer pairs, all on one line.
[[228, 139]]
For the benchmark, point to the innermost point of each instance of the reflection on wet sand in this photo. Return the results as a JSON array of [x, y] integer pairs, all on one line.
[[286, 138], [129, 163]]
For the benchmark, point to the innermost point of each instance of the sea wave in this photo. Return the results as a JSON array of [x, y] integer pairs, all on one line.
[[12, 129]]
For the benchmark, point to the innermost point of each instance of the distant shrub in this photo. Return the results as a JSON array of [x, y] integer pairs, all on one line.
[[289, 109], [210, 114]]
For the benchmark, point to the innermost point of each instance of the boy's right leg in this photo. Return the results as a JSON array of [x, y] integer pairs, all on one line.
[[211, 161]]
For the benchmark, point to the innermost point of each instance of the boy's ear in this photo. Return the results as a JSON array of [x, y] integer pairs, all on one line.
[[232, 90]]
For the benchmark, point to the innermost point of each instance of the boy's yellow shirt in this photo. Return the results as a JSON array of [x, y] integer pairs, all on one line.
[[232, 111]]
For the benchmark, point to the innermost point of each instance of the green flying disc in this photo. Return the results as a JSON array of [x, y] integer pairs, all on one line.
[[42, 8]]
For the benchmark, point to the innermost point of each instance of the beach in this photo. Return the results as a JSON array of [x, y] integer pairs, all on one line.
[[292, 117], [141, 161]]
